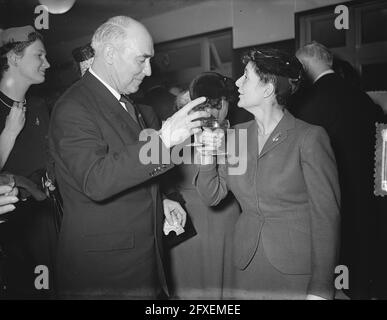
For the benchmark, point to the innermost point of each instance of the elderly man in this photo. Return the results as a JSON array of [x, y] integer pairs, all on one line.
[[348, 115], [110, 241]]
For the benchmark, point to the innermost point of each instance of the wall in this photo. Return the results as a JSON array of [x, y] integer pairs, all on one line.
[[181, 23], [253, 21], [193, 20], [264, 21]]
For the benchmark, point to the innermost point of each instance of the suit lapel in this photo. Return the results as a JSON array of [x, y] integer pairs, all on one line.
[[126, 116], [279, 134], [108, 105], [240, 146]]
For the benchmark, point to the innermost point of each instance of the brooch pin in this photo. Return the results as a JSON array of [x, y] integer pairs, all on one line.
[[37, 122], [276, 138]]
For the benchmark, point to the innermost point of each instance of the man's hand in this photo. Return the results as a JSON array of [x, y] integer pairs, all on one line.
[[173, 211], [181, 126], [7, 198]]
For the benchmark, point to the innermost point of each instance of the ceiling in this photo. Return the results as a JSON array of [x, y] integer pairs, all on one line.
[[85, 16]]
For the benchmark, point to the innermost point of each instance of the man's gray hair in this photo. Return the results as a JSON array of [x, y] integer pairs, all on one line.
[[317, 51], [113, 30]]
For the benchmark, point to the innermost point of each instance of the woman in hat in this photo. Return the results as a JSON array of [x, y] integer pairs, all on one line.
[[286, 238], [28, 236], [84, 57], [200, 267]]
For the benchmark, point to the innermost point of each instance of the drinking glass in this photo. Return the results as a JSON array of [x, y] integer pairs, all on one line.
[[217, 108]]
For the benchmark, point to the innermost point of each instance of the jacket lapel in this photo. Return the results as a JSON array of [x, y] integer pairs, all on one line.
[[252, 140], [108, 105], [279, 134], [239, 145]]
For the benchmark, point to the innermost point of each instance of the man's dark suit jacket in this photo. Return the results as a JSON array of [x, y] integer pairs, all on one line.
[[109, 244], [348, 115]]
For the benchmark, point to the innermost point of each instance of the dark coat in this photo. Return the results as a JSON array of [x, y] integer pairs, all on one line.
[[349, 115], [109, 244]]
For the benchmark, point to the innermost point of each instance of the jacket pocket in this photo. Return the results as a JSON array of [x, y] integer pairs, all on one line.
[[288, 247], [246, 238], [109, 242]]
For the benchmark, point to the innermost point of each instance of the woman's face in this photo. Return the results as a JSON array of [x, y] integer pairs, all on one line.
[[250, 87], [32, 64]]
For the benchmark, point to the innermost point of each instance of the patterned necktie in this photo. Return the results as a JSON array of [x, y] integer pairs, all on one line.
[[132, 110]]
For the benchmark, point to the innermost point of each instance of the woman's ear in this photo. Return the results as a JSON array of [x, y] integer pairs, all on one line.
[[269, 90], [13, 58]]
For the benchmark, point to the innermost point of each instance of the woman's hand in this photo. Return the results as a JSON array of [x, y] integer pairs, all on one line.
[[15, 121]]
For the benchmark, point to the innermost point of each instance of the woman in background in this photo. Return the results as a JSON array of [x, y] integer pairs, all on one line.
[[84, 57], [201, 266], [28, 237]]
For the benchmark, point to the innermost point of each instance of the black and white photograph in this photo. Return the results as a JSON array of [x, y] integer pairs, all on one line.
[[193, 154]]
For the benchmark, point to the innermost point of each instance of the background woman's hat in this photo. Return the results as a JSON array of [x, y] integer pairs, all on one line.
[[17, 34], [83, 53], [212, 85]]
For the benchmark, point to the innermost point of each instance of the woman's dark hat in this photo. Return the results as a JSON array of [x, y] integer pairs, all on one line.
[[276, 62], [83, 53], [211, 85]]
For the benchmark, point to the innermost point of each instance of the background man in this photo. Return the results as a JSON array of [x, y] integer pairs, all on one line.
[[348, 115]]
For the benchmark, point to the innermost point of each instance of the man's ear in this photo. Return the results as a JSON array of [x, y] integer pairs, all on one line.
[[108, 53], [269, 90]]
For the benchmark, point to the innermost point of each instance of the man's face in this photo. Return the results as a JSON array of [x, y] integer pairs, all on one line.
[[32, 65], [131, 63]]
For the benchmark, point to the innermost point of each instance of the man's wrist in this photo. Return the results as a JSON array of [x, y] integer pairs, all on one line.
[[9, 134], [163, 139]]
